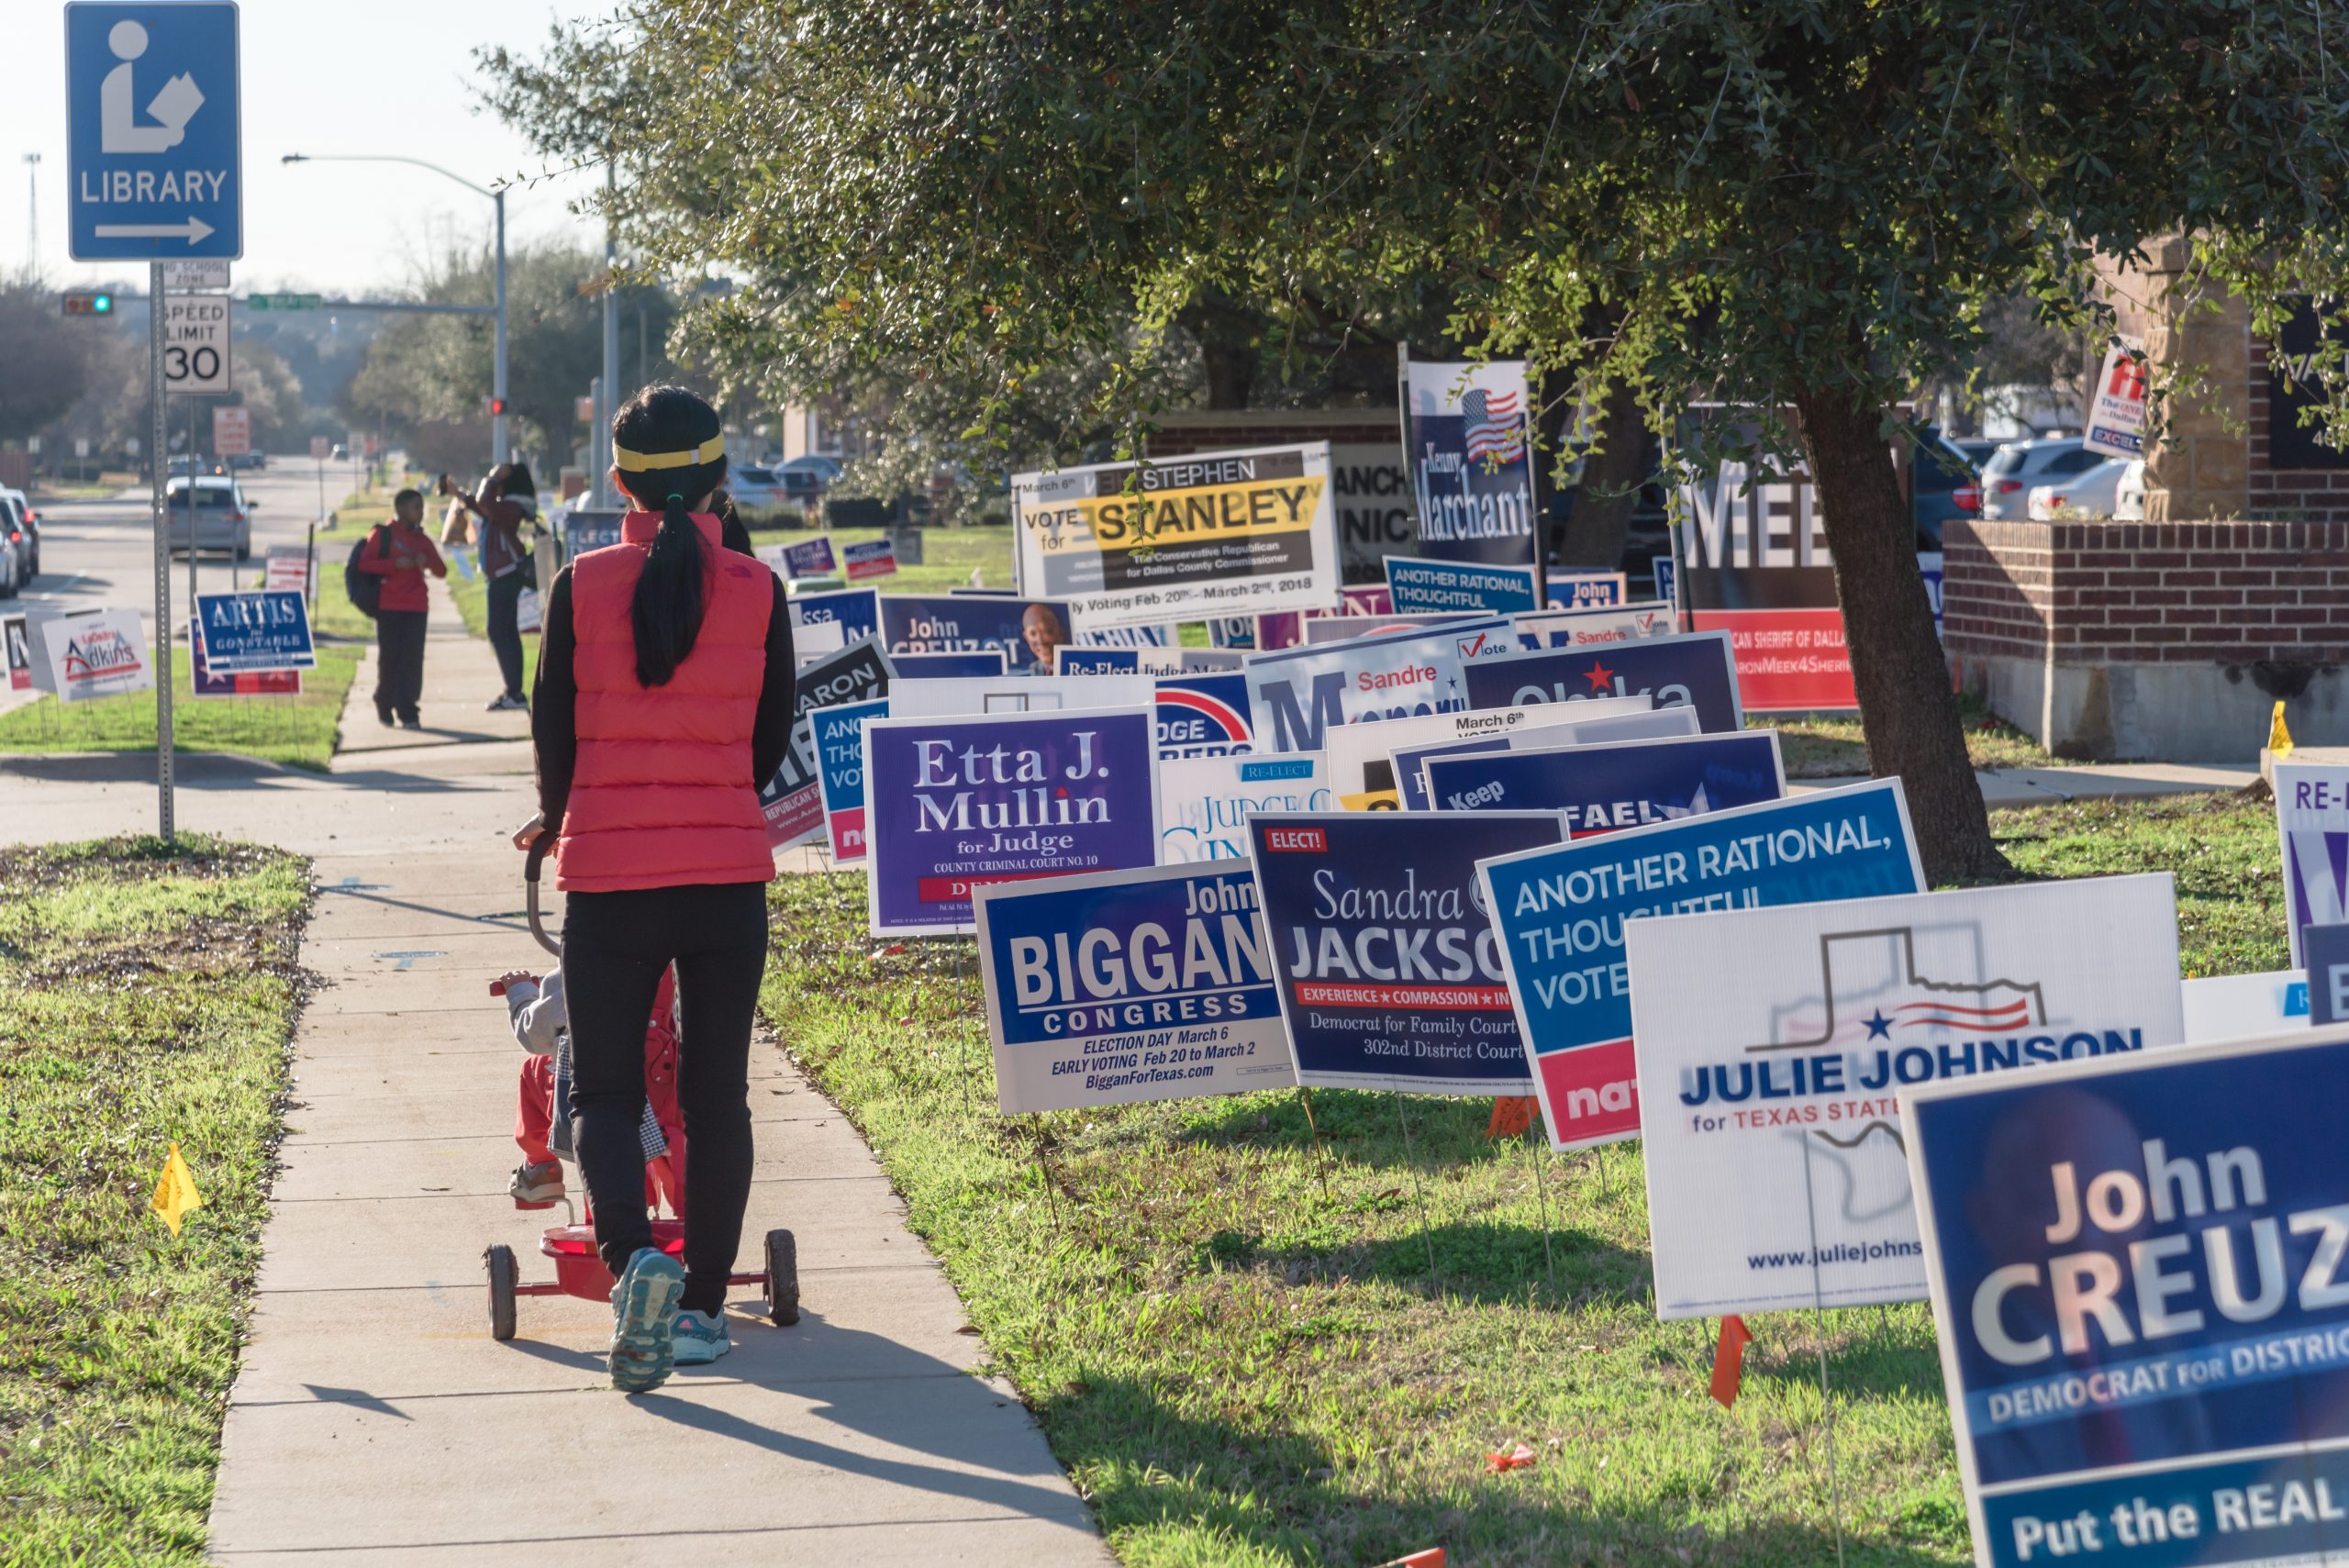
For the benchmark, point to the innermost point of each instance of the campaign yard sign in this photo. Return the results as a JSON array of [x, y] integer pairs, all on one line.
[[1121, 987], [1772, 1043], [1693, 668], [1204, 716], [1321, 631], [957, 801], [1204, 801], [2243, 1007], [1436, 587], [838, 736], [265, 630], [1286, 629], [951, 666], [1374, 497], [2116, 425], [856, 673], [1468, 442], [1209, 532], [1391, 975], [2138, 1286], [793, 801], [16, 646], [1583, 629], [1024, 630], [802, 558], [871, 559], [583, 530], [1609, 785], [2328, 957], [205, 682], [857, 611], [1362, 775], [1018, 693], [1562, 912], [1587, 590], [287, 566], [101, 654], [2312, 823], [1299, 695], [1642, 723]]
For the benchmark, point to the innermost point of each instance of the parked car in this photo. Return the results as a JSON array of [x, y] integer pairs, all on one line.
[[25, 532], [822, 468], [13, 575], [1978, 449], [222, 517], [1943, 485], [2128, 496], [249, 460], [2016, 466], [2092, 493]]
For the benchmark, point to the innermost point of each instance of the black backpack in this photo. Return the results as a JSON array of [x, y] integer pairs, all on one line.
[[365, 588]]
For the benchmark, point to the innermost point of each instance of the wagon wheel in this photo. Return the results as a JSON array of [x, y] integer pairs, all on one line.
[[783, 1277], [499, 1263]]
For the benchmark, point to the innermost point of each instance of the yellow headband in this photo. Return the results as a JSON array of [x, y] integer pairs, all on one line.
[[709, 451]]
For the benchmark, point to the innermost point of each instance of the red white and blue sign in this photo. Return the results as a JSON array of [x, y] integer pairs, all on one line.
[[1204, 716], [1617, 785], [204, 681], [269, 629], [872, 558], [1696, 668]]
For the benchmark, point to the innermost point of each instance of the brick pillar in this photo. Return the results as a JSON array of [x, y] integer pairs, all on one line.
[[2200, 470]]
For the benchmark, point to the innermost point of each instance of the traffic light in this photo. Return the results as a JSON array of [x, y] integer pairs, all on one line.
[[89, 303], [497, 406]]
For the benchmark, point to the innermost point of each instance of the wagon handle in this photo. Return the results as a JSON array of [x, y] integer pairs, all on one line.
[[538, 854]]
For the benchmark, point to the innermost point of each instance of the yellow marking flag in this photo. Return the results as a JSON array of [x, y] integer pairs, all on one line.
[[2279, 740], [175, 1194]]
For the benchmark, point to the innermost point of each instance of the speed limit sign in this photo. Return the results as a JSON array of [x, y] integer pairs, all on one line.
[[195, 342]]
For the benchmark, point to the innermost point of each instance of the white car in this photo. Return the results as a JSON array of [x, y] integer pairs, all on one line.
[[2016, 466], [2129, 500], [2095, 493]]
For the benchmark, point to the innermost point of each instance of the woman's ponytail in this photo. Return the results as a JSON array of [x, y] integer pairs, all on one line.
[[658, 437]]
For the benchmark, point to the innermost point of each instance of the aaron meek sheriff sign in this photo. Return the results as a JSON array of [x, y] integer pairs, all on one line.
[[1145, 984], [1772, 1043]]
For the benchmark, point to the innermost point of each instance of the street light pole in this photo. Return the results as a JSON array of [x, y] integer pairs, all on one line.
[[497, 448], [612, 397]]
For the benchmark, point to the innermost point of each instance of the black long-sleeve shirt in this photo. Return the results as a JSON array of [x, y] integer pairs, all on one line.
[[555, 702]]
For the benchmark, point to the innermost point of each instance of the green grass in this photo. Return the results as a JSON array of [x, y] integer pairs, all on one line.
[[145, 997], [1832, 746], [298, 730], [949, 556], [1242, 1355]]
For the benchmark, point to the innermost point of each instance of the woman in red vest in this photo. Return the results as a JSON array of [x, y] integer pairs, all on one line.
[[663, 700]]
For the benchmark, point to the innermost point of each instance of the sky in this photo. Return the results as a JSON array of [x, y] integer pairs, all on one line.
[[322, 76]]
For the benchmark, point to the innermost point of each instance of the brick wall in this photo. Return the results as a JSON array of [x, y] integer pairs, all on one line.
[[2302, 495], [2107, 593]]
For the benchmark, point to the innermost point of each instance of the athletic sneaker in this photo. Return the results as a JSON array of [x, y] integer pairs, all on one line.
[[539, 1183], [508, 703], [645, 1315], [700, 1337]]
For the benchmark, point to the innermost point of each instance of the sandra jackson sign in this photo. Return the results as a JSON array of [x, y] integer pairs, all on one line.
[[1391, 974], [2141, 1283], [955, 803], [1147, 984], [1771, 1044]]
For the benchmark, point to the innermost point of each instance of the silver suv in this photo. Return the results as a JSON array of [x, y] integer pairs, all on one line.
[[2016, 466]]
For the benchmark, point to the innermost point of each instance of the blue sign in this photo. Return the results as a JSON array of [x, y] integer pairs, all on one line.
[[1667, 579], [1409, 762], [265, 630], [1145, 984], [873, 558], [809, 558], [1561, 913], [1586, 590], [1391, 976], [2137, 1275], [1300, 693], [155, 169], [949, 666], [856, 610], [953, 804], [586, 530], [1025, 631], [1696, 668], [2326, 948], [1204, 716], [838, 740], [1624, 784], [1435, 587], [1098, 662], [1929, 567]]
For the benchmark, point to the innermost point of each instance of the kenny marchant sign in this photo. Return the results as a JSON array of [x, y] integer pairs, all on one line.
[[1131, 985], [1468, 442]]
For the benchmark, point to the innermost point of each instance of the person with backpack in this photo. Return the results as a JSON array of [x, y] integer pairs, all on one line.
[[508, 499], [388, 566]]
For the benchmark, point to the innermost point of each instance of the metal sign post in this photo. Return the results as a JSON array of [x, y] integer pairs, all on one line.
[[159, 459]]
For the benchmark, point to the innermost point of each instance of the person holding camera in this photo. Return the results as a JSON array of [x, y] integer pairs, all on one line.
[[509, 498]]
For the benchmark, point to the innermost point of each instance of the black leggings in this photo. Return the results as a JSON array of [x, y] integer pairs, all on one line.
[[615, 946], [505, 632]]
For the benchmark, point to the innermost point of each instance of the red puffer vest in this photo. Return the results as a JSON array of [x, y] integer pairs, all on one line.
[[662, 794]]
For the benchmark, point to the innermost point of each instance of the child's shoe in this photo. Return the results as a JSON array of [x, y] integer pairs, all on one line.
[[536, 1185], [644, 1314], [700, 1337]]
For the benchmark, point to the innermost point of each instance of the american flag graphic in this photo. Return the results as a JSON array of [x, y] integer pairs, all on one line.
[[1496, 425]]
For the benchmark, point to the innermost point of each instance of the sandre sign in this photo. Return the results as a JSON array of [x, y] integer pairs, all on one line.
[[1299, 695], [956, 802], [1362, 776], [873, 558], [2116, 426], [1587, 590], [267, 630], [2312, 823], [1696, 668], [101, 654], [17, 652], [204, 681], [1391, 975], [1561, 911], [921, 698], [1638, 724], [1145, 984], [838, 736], [1207, 533], [1582, 628], [1025, 631], [1609, 786], [1204, 803], [802, 558], [1435, 587], [1766, 1092], [1468, 443], [2138, 1285]]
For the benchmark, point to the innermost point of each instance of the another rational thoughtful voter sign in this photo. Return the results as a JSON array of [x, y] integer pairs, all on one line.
[[1391, 974], [2139, 1286], [266, 631], [839, 738], [1434, 587], [2312, 820], [1145, 984], [155, 169], [1613, 785], [954, 803], [1772, 1043], [1561, 913], [1224, 532], [1696, 668]]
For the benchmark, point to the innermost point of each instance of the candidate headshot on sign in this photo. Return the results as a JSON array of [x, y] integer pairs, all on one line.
[[1041, 630]]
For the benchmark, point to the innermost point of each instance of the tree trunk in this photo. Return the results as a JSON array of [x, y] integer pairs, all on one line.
[[1610, 483], [1907, 708]]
